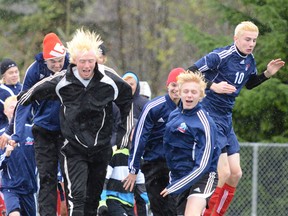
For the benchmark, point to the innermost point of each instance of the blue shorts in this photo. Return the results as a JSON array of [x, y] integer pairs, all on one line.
[[233, 146], [226, 136], [23, 203]]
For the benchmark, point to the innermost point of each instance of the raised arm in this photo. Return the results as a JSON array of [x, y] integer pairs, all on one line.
[[44, 89], [272, 68]]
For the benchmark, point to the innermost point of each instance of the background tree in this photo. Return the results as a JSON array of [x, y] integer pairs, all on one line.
[[24, 24], [142, 36]]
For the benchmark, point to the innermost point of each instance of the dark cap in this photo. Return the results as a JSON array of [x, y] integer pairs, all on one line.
[[6, 64], [102, 49]]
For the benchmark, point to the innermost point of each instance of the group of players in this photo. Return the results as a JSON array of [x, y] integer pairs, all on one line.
[[183, 141]]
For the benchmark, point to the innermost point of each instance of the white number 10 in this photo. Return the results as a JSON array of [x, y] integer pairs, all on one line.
[[239, 78]]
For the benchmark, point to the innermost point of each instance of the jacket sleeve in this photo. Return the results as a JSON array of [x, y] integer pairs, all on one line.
[[209, 62], [116, 122], [141, 135], [124, 103], [255, 80], [44, 89], [23, 114], [3, 159]]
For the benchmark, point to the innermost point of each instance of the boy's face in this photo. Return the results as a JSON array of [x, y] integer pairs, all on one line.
[[101, 59], [11, 76], [190, 94], [173, 91], [9, 110], [56, 64], [85, 62], [133, 83], [246, 41]]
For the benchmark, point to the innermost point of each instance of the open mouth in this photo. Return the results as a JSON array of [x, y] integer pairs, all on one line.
[[86, 71]]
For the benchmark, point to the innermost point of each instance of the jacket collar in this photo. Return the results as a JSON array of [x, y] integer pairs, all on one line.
[[72, 78], [192, 111]]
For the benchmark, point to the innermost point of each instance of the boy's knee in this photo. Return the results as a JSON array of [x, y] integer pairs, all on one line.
[[237, 175], [224, 174]]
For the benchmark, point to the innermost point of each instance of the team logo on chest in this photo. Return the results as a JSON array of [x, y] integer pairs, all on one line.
[[247, 67], [182, 127], [29, 141]]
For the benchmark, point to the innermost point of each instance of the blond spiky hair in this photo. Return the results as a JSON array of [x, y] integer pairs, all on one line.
[[245, 26], [83, 41], [189, 76]]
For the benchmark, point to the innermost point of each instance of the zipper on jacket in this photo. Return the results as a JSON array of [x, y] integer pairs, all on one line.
[[193, 150], [8, 173]]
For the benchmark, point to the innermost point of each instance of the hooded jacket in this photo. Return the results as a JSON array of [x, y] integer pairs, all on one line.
[[138, 100]]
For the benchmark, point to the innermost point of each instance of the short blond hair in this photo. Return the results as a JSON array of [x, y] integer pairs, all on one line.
[[245, 26], [84, 41], [189, 76], [8, 101]]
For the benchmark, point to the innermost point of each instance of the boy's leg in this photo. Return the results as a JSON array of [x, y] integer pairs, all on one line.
[[223, 174], [228, 190]]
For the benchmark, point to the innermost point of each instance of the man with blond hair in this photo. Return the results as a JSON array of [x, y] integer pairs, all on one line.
[[190, 131], [86, 91], [228, 70]]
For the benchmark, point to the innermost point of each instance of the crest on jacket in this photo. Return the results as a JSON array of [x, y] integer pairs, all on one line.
[[182, 127]]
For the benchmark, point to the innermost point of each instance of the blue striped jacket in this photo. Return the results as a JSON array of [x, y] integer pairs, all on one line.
[[190, 143]]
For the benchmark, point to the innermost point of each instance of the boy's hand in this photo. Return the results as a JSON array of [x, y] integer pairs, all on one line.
[[9, 149]]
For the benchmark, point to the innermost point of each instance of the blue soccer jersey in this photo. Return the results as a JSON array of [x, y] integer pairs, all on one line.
[[226, 64]]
